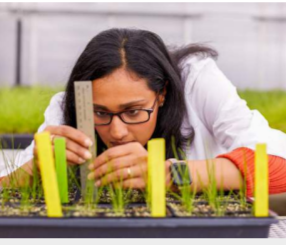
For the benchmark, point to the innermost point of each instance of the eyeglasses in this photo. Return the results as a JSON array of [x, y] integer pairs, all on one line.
[[132, 116]]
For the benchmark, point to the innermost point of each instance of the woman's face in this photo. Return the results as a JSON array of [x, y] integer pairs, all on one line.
[[112, 93]]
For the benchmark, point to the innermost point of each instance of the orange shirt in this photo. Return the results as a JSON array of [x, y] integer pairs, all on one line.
[[277, 169]]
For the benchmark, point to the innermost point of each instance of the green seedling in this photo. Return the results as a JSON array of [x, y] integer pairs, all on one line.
[[211, 191], [186, 194], [92, 193], [119, 197], [73, 181], [25, 191], [37, 190], [243, 184], [5, 195], [12, 180], [146, 193]]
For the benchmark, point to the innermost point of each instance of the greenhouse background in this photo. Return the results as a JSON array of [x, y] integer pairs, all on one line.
[[40, 42]]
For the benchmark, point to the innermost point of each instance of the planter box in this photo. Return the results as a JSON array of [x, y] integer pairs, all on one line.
[[136, 227], [16, 141]]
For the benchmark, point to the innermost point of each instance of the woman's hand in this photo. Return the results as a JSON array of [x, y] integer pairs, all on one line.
[[77, 143], [126, 165]]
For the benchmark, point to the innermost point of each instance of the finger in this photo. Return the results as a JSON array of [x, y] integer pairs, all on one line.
[[71, 133], [35, 152], [73, 158], [119, 163], [121, 175], [52, 138], [112, 153], [134, 183], [78, 150]]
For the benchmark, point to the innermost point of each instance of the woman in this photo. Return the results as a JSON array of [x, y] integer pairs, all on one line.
[[142, 91]]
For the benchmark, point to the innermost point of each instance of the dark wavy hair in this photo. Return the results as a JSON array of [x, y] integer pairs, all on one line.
[[146, 55]]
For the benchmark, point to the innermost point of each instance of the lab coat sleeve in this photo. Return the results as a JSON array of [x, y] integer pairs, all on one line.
[[226, 115]]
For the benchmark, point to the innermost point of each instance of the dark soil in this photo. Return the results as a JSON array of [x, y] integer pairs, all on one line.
[[227, 206]]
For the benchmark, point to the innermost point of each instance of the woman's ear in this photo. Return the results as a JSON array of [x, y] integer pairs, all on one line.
[[163, 95]]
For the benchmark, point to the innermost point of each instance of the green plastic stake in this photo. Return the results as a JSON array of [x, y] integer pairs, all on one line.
[[61, 168]]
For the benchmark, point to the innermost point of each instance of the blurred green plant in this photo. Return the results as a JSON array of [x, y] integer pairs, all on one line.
[[271, 104], [22, 108]]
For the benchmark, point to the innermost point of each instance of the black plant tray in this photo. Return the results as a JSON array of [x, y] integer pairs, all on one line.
[[15, 141], [135, 227]]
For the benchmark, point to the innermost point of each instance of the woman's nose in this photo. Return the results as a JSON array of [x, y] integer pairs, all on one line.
[[118, 129]]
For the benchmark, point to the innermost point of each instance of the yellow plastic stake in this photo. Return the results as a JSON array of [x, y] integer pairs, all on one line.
[[48, 174], [261, 196], [157, 177], [61, 168]]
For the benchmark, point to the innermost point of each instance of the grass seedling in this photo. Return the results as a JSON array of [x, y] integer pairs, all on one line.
[[243, 184], [37, 190], [147, 192], [73, 181], [92, 193], [186, 194], [5, 195], [119, 197], [221, 203], [25, 191], [209, 191], [12, 181]]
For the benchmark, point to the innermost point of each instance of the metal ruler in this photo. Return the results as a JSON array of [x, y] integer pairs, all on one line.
[[85, 123]]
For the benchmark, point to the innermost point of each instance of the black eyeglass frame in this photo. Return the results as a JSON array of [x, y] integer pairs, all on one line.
[[119, 115]]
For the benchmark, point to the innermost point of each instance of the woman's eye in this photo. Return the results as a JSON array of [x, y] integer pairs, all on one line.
[[132, 112], [101, 113]]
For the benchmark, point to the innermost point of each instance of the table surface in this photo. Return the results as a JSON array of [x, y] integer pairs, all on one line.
[[278, 230]]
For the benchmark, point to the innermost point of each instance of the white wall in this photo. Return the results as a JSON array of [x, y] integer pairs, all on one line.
[[250, 37]]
